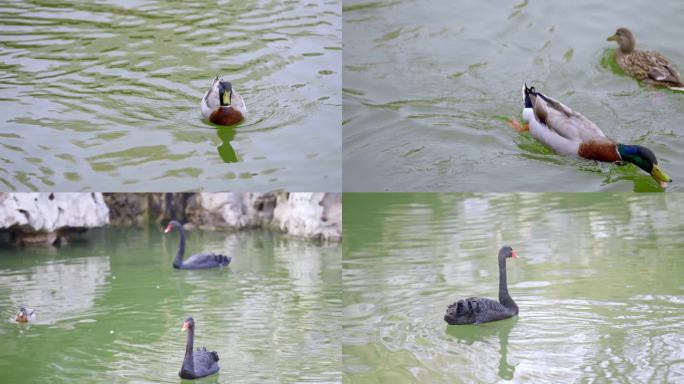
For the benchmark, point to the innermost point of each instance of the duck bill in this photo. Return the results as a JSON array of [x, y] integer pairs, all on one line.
[[612, 38], [660, 176]]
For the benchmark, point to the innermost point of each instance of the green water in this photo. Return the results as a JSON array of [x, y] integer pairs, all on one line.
[[106, 96], [429, 86], [599, 286], [110, 309]]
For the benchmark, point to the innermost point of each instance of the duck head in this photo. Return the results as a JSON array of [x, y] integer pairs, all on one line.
[[625, 40], [22, 315], [645, 159], [225, 89]]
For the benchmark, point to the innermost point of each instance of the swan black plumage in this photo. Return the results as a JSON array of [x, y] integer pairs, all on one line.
[[476, 310], [197, 363], [197, 261]]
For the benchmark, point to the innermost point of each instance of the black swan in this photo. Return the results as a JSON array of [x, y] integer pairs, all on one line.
[[197, 363], [25, 315], [198, 261], [475, 310]]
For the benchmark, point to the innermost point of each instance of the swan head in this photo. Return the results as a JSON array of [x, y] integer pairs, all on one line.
[[506, 252], [189, 323], [645, 159], [24, 315], [172, 223], [625, 40]]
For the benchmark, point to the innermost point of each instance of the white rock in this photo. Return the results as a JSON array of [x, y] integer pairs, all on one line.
[[47, 212], [312, 215], [237, 210]]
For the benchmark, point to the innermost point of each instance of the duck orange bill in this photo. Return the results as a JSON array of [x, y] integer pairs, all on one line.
[[515, 255], [185, 326], [168, 228]]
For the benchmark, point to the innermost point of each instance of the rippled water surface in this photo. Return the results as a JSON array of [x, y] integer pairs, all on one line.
[[106, 95], [429, 86], [110, 310], [599, 286]]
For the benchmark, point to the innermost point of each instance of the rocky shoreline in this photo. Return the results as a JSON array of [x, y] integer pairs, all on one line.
[[53, 218]]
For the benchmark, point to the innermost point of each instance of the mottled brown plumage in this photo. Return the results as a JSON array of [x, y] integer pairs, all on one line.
[[649, 67]]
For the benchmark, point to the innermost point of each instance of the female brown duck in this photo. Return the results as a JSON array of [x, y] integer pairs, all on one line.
[[648, 66]]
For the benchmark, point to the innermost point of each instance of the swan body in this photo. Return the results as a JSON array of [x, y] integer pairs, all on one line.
[[197, 363], [25, 315], [475, 310], [650, 67], [197, 261], [222, 105], [569, 133]]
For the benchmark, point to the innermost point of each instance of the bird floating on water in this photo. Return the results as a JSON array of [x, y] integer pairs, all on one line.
[[222, 105], [25, 315], [651, 67], [567, 132]]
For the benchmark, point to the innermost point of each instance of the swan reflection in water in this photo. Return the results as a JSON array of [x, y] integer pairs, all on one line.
[[469, 334], [226, 150]]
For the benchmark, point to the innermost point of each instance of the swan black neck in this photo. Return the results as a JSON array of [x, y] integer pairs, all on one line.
[[188, 361], [504, 298], [178, 261]]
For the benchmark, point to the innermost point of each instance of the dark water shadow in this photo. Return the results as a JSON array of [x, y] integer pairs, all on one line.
[[208, 379], [469, 334], [226, 150]]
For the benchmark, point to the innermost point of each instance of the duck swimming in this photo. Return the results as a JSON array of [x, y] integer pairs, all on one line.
[[222, 105], [648, 66], [25, 315], [567, 132]]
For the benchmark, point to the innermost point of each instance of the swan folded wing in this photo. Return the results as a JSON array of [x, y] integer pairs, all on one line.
[[205, 361], [475, 310], [210, 258]]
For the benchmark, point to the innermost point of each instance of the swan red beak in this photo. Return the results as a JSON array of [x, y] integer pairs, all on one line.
[[168, 229], [185, 326], [514, 255]]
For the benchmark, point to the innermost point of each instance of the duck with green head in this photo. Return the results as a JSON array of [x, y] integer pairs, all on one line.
[[567, 132], [222, 104]]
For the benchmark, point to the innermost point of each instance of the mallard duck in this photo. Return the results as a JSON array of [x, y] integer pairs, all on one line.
[[222, 105], [25, 315], [567, 132], [648, 66]]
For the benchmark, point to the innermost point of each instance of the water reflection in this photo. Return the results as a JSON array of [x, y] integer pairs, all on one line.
[[226, 150], [58, 289], [486, 333]]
